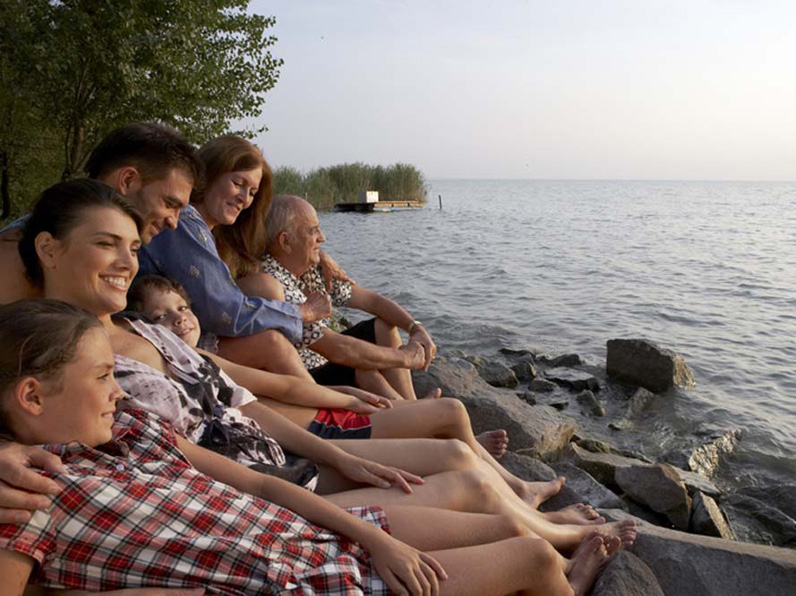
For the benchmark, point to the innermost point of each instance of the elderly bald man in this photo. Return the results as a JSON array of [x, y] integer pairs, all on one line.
[[371, 355]]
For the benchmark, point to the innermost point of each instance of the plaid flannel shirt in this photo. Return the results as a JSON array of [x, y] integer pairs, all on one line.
[[134, 513]]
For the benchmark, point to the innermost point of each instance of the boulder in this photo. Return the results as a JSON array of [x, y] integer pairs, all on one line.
[[694, 565], [783, 497], [537, 430], [542, 386], [658, 487], [644, 363], [527, 468], [603, 467], [495, 373], [524, 371], [580, 487], [706, 458], [519, 354], [707, 518], [594, 445], [570, 378], [589, 404], [755, 521], [527, 396], [627, 575], [638, 402], [562, 360]]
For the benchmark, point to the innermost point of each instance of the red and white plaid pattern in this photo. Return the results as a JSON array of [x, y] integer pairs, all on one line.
[[134, 513]]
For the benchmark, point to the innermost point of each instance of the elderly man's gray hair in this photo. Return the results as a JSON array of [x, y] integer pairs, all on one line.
[[281, 217]]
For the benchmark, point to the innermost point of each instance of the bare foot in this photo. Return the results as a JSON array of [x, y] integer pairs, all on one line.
[[587, 562], [536, 493], [433, 394], [495, 442], [625, 530], [579, 514]]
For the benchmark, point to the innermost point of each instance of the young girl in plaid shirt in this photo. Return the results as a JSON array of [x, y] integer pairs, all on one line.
[[132, 512]]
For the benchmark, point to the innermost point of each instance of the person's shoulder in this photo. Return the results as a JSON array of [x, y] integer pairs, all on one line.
[[273, 287]]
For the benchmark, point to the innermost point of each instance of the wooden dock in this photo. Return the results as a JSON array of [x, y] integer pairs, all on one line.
[[379, 206]]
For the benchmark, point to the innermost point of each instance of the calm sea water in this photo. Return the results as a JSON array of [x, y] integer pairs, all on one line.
[[705, 268]]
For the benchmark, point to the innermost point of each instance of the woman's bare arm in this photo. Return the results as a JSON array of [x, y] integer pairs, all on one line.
[[15, 570]]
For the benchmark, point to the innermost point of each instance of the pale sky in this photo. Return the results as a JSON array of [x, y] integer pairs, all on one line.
[[565, 89]]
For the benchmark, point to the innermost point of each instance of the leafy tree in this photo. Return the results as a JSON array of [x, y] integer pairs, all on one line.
[[84, 67]]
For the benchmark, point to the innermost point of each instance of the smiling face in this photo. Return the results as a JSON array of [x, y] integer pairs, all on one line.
[[160, 202], [171, 310], [79, 404], [230, 194], [93, 266]]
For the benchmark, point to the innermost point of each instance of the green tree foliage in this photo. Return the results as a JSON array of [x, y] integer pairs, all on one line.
[[72, 70], [340, 184]]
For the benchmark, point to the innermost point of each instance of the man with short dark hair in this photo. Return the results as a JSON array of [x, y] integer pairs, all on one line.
[[151, 164]]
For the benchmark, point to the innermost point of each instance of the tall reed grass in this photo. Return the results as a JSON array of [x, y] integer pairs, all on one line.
[[342, 184]]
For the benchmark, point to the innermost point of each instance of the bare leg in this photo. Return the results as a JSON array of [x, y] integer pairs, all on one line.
[[532, 563], [471, 491], [427, 528], [375, 382], [399, 378], [523, 565], [267, 350], [447, 418]]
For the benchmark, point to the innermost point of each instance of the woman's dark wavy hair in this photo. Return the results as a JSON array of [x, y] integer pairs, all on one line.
[[59, 210], [37, 339]]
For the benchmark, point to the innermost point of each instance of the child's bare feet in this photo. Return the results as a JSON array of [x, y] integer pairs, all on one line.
[[579, 514], [495, 442], [625, 530], [536, 493], [587, 562]]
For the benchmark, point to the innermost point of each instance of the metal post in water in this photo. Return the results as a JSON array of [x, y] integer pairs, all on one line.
[[440, 201]]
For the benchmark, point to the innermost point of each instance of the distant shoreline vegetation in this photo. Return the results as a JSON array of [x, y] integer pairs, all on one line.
[[324, 187]]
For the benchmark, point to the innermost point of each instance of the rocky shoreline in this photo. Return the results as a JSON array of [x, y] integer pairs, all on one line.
[[695, 538]]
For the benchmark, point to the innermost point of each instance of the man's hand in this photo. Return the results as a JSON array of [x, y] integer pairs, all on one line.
[[18, 481], [414, 355], [365, 471], [331, 271], [316, 307], [421, 336]]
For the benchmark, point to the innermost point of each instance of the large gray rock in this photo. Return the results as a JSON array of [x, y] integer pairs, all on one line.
[[589, 404], [707, 518], [570, 378], [783, 497], [581, 487], [706, 458], [627, 575], [644, 363], [524, 371], [537, 430], [755, 521], [542, 386], [603, 467], [638, 402], [495, 373], [658, 487], [562, 360], [694, 565], [527, 468]]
